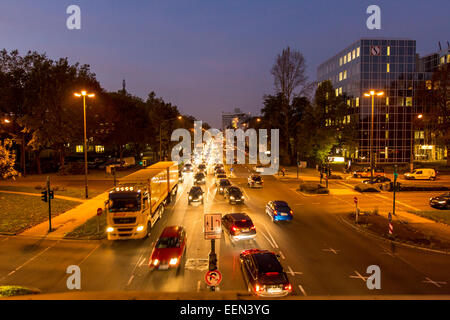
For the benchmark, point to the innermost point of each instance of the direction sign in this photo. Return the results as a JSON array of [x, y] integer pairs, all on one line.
[[212, 227], [99, 211], [355, 199], [213, 278]]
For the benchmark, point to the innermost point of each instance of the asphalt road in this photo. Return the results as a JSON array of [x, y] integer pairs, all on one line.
[[321, 254]]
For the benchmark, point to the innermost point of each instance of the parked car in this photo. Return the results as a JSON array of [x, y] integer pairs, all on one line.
[[441, 202], [365, 172], [239, 226], [377, 180], [421, 174], [279, 211], [233, 194], [263, 273], [169, 249], [199, 178], [223, 183], [195, 195], [255, 181]]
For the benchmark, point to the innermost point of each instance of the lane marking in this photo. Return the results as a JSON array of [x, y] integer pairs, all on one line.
[[89, 254], [331, 250], [359, 276], [302, 290], [436, 283], [268, 240], [274, 242], [131, 279], [293, 273], [282, 255]]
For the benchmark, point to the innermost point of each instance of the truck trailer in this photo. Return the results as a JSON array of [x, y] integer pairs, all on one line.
[[138, 201]]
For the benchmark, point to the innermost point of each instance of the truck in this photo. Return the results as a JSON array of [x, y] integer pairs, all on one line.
[[138, 201]]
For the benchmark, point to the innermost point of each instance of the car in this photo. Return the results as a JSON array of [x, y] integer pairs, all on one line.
[[441, 202], [263, 273], [234, 194], [220, 177], [220, 171], [239, 226], [195, 195], [201, 168], [218, 166], [223, 183], [169, 250], [377, 180], [279, 211], [365, 172], [187, 167], [421, 174], [199, 178], [258, 168], [255, 181]]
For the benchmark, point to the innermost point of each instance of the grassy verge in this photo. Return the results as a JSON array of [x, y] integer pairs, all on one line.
[[19, 212], [90, 230], [59, 191], [11, 291], [438, 216]]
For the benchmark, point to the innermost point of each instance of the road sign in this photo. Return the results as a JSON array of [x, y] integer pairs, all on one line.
[[355, 200], [302, 164], [99, 211], [212, 227], [213, 278]]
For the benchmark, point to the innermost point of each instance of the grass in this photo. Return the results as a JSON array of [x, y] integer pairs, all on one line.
[[442, 216], [10, 291], [59, 191], [89, 230], [20, 212]]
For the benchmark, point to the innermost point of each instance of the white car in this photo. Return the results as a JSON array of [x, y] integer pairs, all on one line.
[[421, 174]]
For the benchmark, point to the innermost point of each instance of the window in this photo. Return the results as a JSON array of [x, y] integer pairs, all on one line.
[[357, 101], [387, 135], [340, 76], [340, 90], [349, 56], [442, 60], [409, 101], [79, 149], [340, 61], [337, 92], [99, 149], [349, 102], [387, 117], [345, 59], [345, 74], [354, 54], [348, 119], [388, 50], [388, 67], [357, 51], [387, 101]]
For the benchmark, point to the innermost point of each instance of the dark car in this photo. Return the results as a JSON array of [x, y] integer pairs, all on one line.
[[199, 178], [169, 250], [201, 168], [234, 194], [195, 195], [380, 179], [255, 181], [441, 202], [220, 171], [223, 184], [218, 166], [279, 211], [239, 226], [263, 273], [187, 167]]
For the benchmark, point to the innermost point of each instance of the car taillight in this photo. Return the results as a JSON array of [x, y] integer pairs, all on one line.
[[288, 287], [234, 229], [292, 212], [258, 288], [275, 212], [253, 228]]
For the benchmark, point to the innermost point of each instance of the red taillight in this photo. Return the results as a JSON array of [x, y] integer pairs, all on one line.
[[271, 273], [275, 212], [258, 288], [291, 212], [234, 229], [288, 287]]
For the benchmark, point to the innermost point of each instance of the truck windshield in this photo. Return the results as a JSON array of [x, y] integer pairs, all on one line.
[[118, 205]]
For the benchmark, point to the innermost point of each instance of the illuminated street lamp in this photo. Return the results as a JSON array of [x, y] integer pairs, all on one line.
[[160, 133], [372, 94], [84, 94]]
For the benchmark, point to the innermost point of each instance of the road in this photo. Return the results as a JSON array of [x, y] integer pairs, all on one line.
[[321, 254]]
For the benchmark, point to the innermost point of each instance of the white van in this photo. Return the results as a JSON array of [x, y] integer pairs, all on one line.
[[421, 174]]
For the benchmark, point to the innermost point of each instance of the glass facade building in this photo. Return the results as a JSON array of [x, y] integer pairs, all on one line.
[[386, 65]]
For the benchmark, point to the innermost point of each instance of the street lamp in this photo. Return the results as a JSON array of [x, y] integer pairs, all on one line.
[[372, 94], [160, 133], [411, 157], [84, 94]]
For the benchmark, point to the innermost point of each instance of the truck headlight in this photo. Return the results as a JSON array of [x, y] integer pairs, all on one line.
[[109, 229], [140, 228], [173, 261]]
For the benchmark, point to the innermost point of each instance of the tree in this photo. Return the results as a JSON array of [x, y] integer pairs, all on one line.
[[7, 160]]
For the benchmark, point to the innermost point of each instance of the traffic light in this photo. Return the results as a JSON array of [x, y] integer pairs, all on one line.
[[44, 196], [51, 195]]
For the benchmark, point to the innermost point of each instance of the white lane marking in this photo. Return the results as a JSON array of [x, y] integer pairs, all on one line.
[[28, 261], [199, 283], [89, 254], [131, 279], [359, 276], [268, 240], [302, 290], [331, 250], [436, 283], [399, 202], [142, 262], [4, 239], [274, 242], [282, 255], [293, 273]]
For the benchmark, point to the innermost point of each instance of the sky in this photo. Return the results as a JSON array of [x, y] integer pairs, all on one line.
[[209, 56]]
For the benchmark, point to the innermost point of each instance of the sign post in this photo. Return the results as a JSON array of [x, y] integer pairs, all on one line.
[[213, 278], [355, 199], [391, 227], [50, 197], [212, 230]]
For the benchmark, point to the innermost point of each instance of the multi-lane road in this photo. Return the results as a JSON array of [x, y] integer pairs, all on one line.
[[321, 254]]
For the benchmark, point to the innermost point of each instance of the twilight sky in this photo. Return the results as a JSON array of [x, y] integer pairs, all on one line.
[[209, 56]]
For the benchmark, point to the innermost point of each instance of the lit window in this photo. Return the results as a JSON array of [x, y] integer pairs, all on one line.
[[340, 61], [388, 50], [388, 68], [349, 56], [357, 101], [79, 148], [409, 101], [428, 84], [387, 117], [448, 58], [354, 54], [357, 51], [345, 59], [442, 60], [387, 134], [99, 149], [345, 74], [340, 90], [349, 103], [387, 101], [340, 76], [337, 92], [348, 119]]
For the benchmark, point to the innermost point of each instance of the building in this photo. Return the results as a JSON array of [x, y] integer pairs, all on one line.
[[234, 120], [386, 65]]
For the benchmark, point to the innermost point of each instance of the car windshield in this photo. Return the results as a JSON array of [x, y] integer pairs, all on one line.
[[124, 204], [169, 242], [256, 178], [235, 191], [196, 191], [224, 182], [283, 208], [243, 223]]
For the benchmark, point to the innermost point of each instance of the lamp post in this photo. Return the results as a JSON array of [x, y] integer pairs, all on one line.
[[372, 94], [160, 134], [84, 94]]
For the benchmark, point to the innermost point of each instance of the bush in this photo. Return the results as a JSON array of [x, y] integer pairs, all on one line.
[[71, 168], [362, 187], [315, 188]]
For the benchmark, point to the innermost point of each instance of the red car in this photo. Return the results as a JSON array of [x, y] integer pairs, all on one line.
[[169, 250]]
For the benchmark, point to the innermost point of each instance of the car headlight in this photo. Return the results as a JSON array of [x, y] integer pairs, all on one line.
[[109, 229], [140, 228], [232, 198], [242, 197], [441, 202], [173, 261], [190, 197], [221, 189], [200, 197], [155, 262]]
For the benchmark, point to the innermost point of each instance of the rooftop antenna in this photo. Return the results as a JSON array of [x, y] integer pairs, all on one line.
[[440, 47], [124, 90]]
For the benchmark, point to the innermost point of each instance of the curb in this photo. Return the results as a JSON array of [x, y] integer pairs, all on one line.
[[402, 244]]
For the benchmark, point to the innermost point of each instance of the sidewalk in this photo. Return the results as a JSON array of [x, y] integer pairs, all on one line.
[[69, 220]]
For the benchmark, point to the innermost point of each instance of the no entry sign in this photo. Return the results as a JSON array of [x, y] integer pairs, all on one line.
[[355, 199]]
